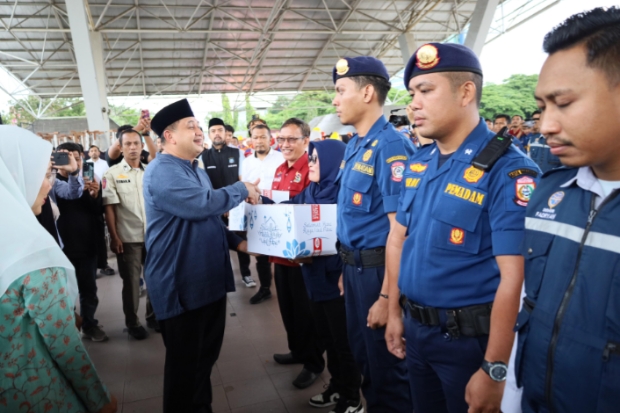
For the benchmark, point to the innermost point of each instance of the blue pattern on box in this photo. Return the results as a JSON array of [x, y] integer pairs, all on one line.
[[296, 250]]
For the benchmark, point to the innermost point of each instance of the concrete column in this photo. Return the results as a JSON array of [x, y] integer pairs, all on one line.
[[480, 24]]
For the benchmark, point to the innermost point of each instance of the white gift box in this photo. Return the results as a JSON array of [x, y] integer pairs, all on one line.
[[237, 217], [291, 231]]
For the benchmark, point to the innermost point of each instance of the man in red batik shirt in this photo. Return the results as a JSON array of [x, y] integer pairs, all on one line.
[[303, 341]]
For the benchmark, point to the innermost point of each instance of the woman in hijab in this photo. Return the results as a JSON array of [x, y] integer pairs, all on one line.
[[321, 275], [45, 367]]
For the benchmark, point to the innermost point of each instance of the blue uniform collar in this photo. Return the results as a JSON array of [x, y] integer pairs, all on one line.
[[472, 145], [380, 125]]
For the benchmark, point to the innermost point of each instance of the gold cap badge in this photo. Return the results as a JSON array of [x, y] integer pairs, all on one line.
[[342, 67], [427, 57]]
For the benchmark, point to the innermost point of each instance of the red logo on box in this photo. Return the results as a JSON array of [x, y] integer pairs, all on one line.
[[318, 246], [316, 213]]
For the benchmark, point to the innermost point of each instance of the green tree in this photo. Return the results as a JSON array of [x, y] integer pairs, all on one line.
[[227, 113], [398, 97], [514, 96], [305, 106], [124, 115]]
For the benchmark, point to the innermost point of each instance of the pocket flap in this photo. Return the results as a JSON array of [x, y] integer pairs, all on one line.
[[536, 244], [457, 213], [359, 182]]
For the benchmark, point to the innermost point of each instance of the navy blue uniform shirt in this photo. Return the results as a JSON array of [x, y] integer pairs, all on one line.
[[187, 262], [458, 219], [369, 178]]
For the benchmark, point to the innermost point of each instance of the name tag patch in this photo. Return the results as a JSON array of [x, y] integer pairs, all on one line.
[[465, 193], [364, 168]]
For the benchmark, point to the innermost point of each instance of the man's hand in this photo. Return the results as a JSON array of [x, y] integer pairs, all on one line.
[[92, 187], [253, 192], [483, 395], [243, 247], [341, 285], [378, 314], [116, 245], [70, 168], [394, 337], [143, 126], [111, 407]]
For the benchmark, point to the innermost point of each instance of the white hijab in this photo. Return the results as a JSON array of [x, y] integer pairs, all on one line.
[[25, 246]]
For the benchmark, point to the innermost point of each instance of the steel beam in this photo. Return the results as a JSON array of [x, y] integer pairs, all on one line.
[[480, 23], [89, 56], [407, 45]]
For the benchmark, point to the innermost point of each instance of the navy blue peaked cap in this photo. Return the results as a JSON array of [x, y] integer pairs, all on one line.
[[359, 66], [170, 114], [441, 57]]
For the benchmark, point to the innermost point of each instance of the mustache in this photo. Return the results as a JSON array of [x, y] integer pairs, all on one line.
[[555, 140]]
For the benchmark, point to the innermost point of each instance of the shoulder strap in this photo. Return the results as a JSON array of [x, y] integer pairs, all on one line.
[[493, 151]]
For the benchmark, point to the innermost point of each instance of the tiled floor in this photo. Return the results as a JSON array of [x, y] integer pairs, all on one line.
[[245, 378]]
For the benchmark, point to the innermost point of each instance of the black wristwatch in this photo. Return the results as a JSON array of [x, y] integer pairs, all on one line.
[[497, 370]]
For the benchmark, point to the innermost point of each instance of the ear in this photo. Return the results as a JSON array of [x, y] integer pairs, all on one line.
[[369, 92], [168, 136], [468, 93]]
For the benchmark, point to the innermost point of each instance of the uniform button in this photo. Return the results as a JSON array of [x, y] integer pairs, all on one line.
[[529, 251]]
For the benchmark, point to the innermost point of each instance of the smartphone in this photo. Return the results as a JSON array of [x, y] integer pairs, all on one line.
[[146, 114], [60, 158], [88, 171]]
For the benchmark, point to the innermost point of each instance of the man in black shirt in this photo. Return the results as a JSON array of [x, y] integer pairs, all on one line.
[[80, 229], [222, 163]]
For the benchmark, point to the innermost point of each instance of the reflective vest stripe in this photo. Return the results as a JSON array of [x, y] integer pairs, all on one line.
[[571, 232]]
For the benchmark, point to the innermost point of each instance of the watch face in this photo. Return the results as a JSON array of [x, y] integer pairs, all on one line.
[[498, 372]]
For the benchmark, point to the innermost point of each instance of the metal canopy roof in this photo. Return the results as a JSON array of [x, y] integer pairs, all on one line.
[[153, 47]]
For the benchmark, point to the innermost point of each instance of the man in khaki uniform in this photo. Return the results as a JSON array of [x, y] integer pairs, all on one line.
[[126, 219]]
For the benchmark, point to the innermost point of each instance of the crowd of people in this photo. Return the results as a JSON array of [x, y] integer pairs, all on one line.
[[452, 236]]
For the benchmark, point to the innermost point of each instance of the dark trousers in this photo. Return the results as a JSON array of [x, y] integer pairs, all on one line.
[[86, 275], [130, 269], [331, 324], [263, 266], [303, 340], [440, 367], [385, 384], [193, 341]]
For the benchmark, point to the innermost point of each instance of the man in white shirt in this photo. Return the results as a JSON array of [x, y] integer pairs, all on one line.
[[262, 164], [101, 166]]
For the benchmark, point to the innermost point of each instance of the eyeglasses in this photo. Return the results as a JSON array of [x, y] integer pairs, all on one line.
[[313, 158], [290, 140]]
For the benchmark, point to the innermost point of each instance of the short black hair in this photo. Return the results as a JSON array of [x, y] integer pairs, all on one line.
[[487, 120], [229, 128], [94, 146], [305, 128], [260, 126], [381, 85], [70, 146], [124, 132], [599, 31], [536, 112], [502, 115], [518, 116], [458, 78]]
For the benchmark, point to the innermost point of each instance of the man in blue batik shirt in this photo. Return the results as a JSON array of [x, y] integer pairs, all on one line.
[[187, 266]]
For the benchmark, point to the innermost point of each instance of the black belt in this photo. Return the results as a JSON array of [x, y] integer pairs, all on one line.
[[369, 258], [472, 321]]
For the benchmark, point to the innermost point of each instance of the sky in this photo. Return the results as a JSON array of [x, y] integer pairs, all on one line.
[[518, 51]]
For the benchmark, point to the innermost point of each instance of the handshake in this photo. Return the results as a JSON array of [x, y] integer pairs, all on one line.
[[253, 192]]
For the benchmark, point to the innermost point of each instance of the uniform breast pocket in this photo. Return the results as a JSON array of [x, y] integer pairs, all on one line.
[[456, 225], [535, 247], [358, 188]]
